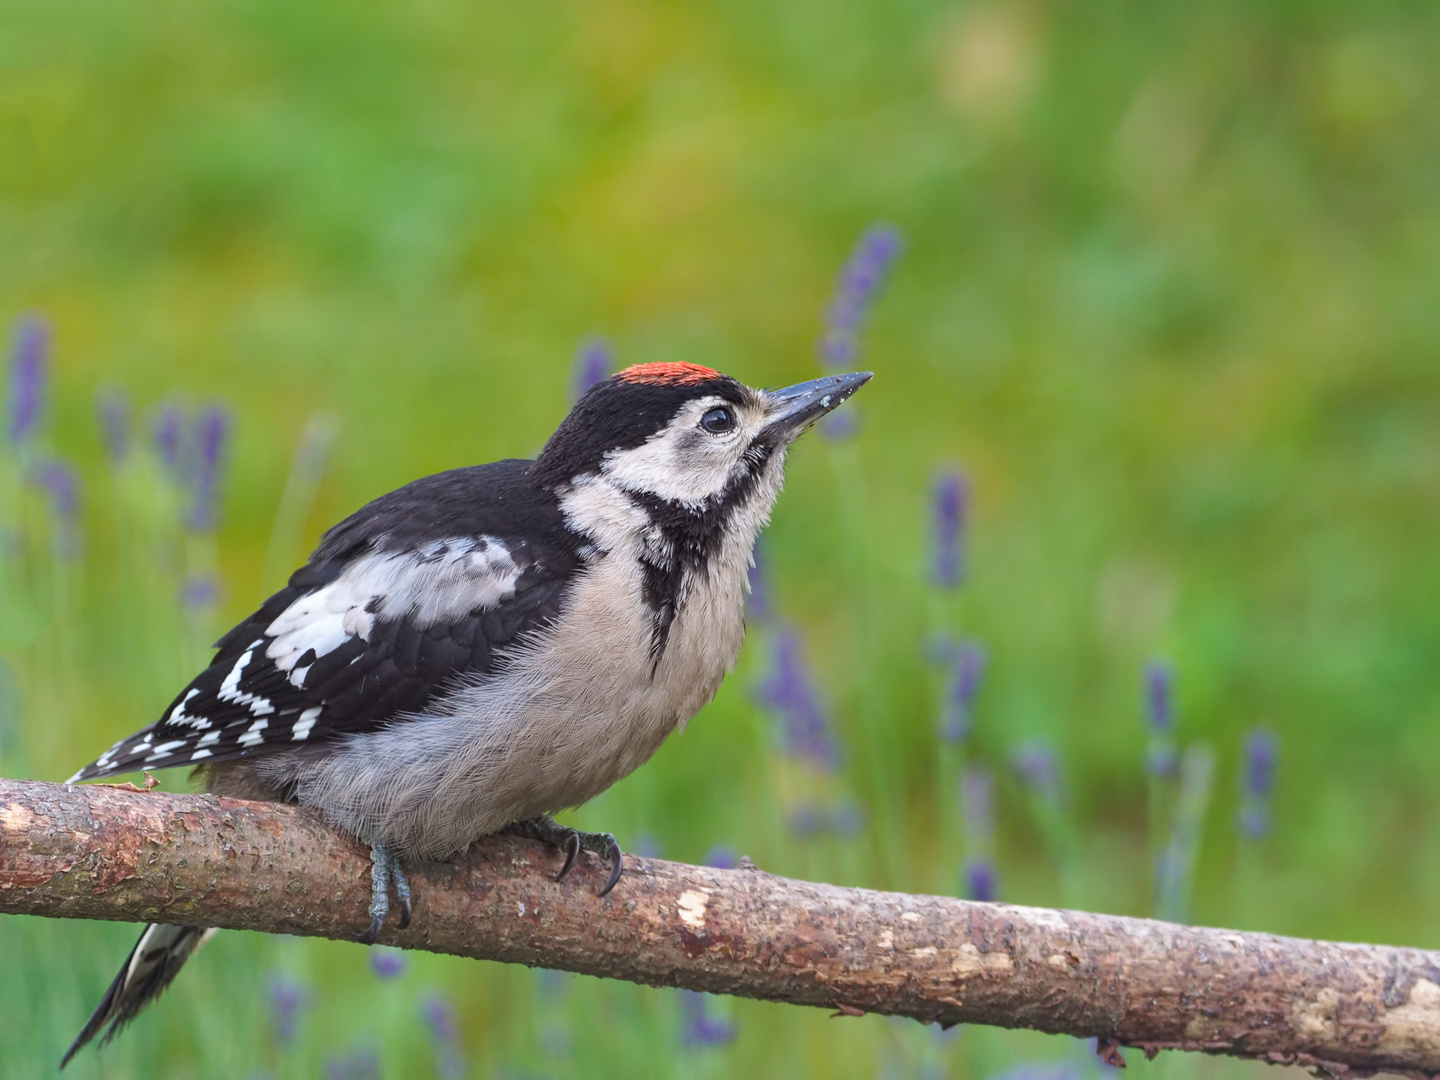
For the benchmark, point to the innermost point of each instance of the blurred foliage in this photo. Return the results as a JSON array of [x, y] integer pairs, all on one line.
[[1167, 297]]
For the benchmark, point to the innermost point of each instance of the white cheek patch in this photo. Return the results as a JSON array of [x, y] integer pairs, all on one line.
[[441, 582], [594, 507], [681, 463]]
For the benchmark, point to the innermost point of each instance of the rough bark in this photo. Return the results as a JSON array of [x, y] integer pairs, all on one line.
[[101, 853]]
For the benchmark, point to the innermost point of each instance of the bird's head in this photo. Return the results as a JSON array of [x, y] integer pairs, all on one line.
[[684, 434]]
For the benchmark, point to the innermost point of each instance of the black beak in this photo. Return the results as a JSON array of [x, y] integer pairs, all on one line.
[[794, 408]]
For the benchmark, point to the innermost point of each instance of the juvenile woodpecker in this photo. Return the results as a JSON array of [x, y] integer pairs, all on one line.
[[490, 645]]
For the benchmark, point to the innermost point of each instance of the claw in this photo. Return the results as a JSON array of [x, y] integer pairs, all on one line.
[[572, 852], [369, 936], [572, 841], [617, 865]]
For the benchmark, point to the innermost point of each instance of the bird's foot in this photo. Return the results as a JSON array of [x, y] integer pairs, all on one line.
[[385, 869], [572, 841]]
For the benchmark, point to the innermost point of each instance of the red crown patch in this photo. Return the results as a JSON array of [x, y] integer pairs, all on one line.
[[668, 373]]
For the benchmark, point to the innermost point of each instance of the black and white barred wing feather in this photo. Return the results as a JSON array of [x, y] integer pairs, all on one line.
[[383, 619]]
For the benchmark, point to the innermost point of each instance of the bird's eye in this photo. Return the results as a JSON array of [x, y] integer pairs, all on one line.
[[718, 420]]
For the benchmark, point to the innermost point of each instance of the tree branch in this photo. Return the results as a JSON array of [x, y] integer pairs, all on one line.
[[101, 853]]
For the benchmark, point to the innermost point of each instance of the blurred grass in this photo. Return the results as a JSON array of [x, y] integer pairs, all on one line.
[[1168, 296]]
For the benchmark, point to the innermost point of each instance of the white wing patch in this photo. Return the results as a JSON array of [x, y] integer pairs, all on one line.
[[443, 581], [230, 688]]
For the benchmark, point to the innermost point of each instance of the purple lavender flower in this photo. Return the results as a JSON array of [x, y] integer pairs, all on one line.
[[169, 426], [200, 591], [27, 377], [700, 1029], [966, 667], [212, 433], [361, 1064], [949, 505], [789, 691], [859, 283], [977, 806], [847, 817], [61, 483], [1035, 767], [593, 364], [287, 1000], [1159, 704], [388, 963], [722, 857], [445, 1035], [1162, 758], [1257, 781], [979, 877], [1261, 752], [112, 408]]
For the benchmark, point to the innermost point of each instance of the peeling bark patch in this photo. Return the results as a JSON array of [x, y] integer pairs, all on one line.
[[20, 819], [1413, 1027], [968, 960], [1316, 1017], [692, 906]]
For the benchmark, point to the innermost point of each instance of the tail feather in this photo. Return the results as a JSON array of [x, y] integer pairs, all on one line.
[[156, 959]]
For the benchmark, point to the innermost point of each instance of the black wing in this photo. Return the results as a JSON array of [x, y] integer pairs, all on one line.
[[422, 587]]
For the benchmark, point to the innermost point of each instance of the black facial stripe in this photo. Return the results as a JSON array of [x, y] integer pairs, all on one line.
[[692, 535]]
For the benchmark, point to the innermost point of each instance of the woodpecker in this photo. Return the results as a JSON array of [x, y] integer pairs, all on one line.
[[487, 646]]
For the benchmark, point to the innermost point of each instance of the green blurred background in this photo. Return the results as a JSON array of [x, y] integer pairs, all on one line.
[[1168, 297]]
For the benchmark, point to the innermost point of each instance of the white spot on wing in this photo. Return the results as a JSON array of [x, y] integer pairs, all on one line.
[[178, 715], [164, 750], [198, 754], [306, 722], [230, 688], [210, 739], [255, 734]]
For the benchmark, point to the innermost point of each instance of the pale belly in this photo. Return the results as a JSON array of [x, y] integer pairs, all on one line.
[[579, 711]]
